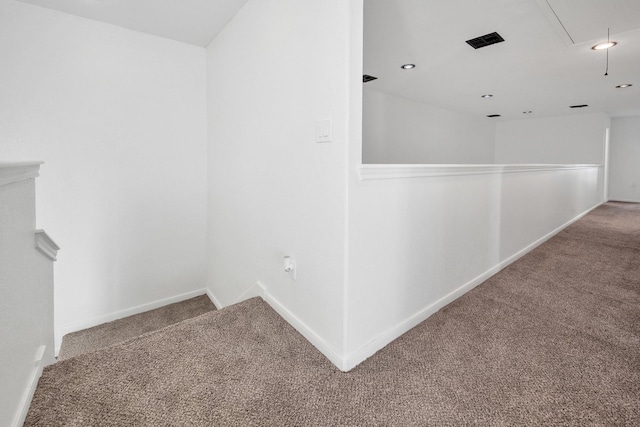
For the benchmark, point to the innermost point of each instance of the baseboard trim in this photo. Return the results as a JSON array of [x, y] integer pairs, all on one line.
[[99, 320], [213, 299], [368, 350], [257, 290], [260, 290], [624, 200], [28, 393], [316, 340]]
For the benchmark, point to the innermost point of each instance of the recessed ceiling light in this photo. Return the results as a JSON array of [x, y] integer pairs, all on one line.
[[408, 66], [487, 96], [527, 112], [624, 85], [605, 45]]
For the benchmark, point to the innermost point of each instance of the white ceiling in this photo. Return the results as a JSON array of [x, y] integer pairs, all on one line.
[[195, 22], [544, 65]]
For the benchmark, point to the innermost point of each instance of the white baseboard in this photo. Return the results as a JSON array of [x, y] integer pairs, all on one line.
[[27, 394], [368, 350], [260, 290], [214, 300], [99, 320], [316, 340], [350, 361], [624, 200], [257, 290]]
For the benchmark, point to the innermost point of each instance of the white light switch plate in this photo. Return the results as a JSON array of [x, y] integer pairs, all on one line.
[[323, 130]]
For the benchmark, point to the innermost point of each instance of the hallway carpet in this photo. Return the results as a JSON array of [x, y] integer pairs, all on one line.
[[121, 330], [553, 339]]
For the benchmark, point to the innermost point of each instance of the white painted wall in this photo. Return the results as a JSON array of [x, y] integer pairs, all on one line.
[[119, 118], [26, 300], [415, 244], [577, 138], [279, 66], [399, 130], [624, 178], [122, 117]]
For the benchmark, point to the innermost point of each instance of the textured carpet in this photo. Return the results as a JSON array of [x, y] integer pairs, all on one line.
[[121, 330], [554, 339]]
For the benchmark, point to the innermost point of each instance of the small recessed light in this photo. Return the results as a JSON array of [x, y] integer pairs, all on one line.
[[487, 96], [408, 66], [605, 45], [527, 112], [624, 85]]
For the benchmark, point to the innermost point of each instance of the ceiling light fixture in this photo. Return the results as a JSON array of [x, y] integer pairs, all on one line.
[[624, 85], [408, 66], [487, 96], [605, 45], [527, 112]]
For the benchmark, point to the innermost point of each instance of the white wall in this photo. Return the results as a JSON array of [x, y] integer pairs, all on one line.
[[577, 138], [399, 130], [279, 66], [119, 118], [624, 177], [26, 301], [415, 244]]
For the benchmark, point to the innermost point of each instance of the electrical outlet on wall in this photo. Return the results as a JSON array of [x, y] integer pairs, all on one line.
[[290, 267]]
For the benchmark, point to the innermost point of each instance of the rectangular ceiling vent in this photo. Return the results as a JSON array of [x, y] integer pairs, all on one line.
[[578, 106], [486, 40], [494, 115], [368, 78]]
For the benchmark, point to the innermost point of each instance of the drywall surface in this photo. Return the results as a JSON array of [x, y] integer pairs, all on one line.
[[570, 139], [119, 118], [624, 176], [416, 244], [26, 300], [276, 69], [399, 130]]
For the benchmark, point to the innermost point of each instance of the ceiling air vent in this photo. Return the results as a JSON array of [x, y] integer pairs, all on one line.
[[578, 106], [367, 78], [494, 115], [486, 40]]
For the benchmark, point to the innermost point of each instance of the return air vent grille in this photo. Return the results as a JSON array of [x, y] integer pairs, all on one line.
[[486, 40], [494, 115], [368, 78], [578, 106]]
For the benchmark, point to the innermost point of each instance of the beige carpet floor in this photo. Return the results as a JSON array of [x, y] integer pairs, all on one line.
[[121, 330], [553, 339]]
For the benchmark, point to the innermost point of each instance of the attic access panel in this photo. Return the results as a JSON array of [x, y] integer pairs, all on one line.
[[486, 40]]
